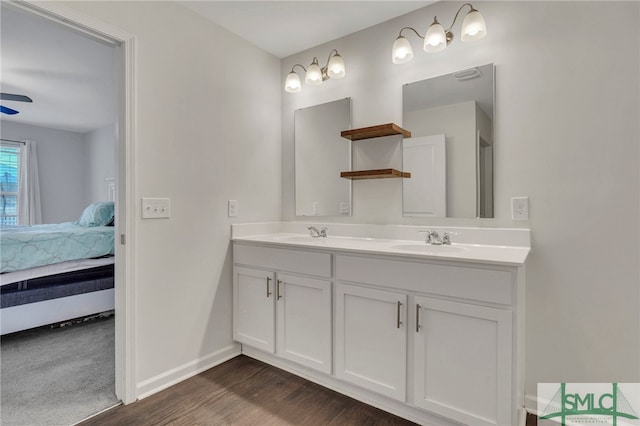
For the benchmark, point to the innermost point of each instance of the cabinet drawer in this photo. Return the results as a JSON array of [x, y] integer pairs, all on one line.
[[303, 262], [486, 285]]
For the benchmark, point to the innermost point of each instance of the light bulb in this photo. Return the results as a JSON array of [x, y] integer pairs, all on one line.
[[435, 40], [292, 84], [314, 74], [401, 52], [335, 68], [473, 26]]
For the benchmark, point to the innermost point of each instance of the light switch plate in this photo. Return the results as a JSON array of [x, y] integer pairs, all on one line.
[[344, 207], [156, 208]]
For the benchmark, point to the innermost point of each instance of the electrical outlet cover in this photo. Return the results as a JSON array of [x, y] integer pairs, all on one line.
[[520, 208], [233, 208]]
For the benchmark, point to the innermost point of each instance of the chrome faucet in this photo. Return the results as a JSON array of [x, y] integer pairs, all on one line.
[[434, 238], [316, 233]]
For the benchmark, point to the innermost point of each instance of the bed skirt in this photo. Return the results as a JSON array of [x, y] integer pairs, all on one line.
[[55, 286], [47, 300]]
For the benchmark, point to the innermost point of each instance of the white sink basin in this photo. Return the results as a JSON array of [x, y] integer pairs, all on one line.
[[298, 238], [429, 248], [341, 241]]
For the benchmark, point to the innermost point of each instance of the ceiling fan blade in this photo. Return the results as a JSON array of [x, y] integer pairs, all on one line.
[[6, 110], [17, 98]]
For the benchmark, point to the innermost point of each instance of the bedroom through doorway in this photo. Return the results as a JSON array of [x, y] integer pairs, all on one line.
[[59, 324]]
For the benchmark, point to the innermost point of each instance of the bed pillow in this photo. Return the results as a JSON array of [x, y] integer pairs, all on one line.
[[97, 214]]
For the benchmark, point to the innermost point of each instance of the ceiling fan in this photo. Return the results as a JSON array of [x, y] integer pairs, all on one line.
[[12, 97]]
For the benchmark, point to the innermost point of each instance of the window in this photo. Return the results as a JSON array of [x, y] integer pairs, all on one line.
[[9, 177]]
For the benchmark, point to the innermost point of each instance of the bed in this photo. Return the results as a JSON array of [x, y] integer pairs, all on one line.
[[58, 272]]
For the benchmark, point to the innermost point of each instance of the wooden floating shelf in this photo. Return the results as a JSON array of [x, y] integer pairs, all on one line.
[[375, 174], [379, 131]]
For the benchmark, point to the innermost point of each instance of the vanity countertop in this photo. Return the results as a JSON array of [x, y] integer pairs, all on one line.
[[459, 252]]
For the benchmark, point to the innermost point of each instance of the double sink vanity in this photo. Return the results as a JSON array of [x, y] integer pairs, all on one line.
[[431, 332]]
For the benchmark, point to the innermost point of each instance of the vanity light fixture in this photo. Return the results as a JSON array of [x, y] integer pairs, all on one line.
[[436, 39], [314, 75]]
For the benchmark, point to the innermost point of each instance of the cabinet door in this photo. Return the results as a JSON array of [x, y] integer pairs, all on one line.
[[303, 321], [371, 339], [253, 308], [462, 361]]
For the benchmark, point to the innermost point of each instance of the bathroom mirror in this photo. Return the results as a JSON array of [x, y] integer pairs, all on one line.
[[320, 155], [450, 153]]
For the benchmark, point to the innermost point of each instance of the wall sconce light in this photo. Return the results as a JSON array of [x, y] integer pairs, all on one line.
[[314, 75], [437, 38]]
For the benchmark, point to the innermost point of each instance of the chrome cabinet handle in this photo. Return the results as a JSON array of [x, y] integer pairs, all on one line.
[[268, 282], [398, 322], [417, 318], [278, 292]]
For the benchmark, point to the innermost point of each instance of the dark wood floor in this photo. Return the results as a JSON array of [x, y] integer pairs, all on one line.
[[244, 391]]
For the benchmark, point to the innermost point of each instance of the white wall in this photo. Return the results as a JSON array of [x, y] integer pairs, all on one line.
[[567, 136], [207, 130], [100, 150], [61, 168]]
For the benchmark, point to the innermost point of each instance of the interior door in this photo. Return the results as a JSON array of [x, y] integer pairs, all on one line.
[[425, 193]]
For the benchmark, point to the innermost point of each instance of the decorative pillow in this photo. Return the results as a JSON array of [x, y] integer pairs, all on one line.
[[97, 214]]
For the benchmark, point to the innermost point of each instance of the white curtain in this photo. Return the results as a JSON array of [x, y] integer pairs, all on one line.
[[29, 210]]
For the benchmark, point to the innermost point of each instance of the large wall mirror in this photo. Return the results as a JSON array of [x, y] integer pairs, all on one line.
[[320, 155], [450, 153]]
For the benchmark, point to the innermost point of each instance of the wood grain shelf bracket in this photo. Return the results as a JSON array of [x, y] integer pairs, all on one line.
[[379, 131], [375, 174]]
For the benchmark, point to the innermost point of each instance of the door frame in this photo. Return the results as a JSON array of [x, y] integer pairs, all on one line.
[[124, 43]]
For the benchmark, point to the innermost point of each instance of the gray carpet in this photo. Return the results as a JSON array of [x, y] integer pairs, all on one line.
[[57, 376]]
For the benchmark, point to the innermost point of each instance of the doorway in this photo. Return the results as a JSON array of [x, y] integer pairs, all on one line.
[[485, 178], [122, 44]]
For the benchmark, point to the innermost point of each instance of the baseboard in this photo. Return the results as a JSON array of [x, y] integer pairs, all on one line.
[[531, 404], [185, 371], [118, 404]]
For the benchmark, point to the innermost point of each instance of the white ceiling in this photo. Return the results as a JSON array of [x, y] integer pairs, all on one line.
[[287, 27], [70, 77]]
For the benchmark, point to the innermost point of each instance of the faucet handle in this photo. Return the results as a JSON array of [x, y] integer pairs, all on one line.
[[435, 239], [446, 239], [315, 232], [431, 236]]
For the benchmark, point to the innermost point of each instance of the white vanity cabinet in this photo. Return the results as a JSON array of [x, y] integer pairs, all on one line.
[[436, 340], [462, 361], [254, 308], [458, 333], [281, 312], [371, 339], [303, 321]]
